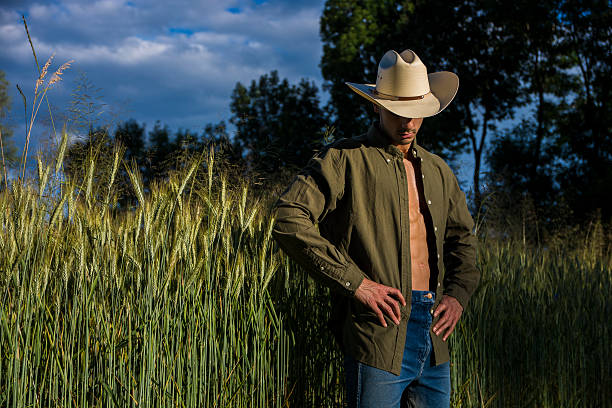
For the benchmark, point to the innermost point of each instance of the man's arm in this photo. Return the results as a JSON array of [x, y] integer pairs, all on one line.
[[313, 194], [461, 275]]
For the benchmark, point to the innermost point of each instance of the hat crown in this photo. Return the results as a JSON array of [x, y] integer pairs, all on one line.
[[402, 75]]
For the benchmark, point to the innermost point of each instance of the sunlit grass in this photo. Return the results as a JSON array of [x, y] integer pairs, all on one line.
[[160, 306], [184, 300]]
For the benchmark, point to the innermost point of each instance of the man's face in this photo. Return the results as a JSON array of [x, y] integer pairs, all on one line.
[[402, 131]]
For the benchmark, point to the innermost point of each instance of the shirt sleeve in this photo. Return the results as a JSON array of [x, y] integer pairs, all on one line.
[[461, 275], [313, 194]]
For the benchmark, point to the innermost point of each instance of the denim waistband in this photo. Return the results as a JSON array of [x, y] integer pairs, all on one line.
[[423, 296]]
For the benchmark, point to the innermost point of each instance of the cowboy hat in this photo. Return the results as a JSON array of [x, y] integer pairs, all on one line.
[[404, 87]]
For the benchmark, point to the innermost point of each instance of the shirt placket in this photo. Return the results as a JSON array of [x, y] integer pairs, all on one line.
[[427, 187], [403, 201], [406, 273]]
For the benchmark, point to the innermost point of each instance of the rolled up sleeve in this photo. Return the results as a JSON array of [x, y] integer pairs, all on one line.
[[313, 194]]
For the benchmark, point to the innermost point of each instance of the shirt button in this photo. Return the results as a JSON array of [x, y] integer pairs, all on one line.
[[422, 176], [435, 228], [421, 159], [438, 284], [429, 202], [348, 283], [438, 256], [414, 153], [322, 268], [388, 160], [431, 311]]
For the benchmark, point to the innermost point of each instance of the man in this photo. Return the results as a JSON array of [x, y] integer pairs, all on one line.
[[394, 241]]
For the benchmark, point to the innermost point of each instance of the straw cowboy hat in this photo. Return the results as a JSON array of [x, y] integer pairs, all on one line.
[[404, 87]]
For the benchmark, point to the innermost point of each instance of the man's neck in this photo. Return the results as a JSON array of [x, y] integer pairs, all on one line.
[[405, 149]]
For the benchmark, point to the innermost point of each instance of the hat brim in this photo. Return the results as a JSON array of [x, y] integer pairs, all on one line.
[[443, 86]]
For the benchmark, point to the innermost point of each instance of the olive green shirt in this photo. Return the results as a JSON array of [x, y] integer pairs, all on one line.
[[355, 190]]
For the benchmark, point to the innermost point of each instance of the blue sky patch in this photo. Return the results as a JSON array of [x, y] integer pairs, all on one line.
[[180, 30], [234, 10]]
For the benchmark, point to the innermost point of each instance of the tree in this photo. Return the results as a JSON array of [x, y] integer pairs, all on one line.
[[9, 150], [460, 36], [585, 126], [158, 153], [564, 147], [523, 159], [97, 150], [131, 135], [278, 125], [227, 154]]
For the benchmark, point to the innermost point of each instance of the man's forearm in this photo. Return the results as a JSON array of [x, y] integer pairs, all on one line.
[[300, 239], [461, 275]]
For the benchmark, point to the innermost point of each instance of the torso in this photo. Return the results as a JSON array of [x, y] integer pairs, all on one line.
[[419, 253]]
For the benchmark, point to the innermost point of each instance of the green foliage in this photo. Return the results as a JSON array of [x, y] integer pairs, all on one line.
[[355, 35], [560, 156], [159, 152], [585, 123], [466, 37], [187, 301], [166, 305], [155, 160], [552, 55], [132, 136], [535, 333], [9, 149], [278, 125]]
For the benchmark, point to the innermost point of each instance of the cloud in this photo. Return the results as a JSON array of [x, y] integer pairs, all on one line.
[[173, 61]]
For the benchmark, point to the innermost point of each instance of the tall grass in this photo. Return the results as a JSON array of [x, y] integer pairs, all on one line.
[[184, 300], [537, 333], [165, 305]]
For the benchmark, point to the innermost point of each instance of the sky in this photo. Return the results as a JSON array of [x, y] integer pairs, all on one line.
[[176, 62]]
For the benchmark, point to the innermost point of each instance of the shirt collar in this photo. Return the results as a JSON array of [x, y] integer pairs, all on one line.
[[378, 138]]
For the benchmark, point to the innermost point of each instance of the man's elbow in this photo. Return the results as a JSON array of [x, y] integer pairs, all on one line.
[[286, 223]]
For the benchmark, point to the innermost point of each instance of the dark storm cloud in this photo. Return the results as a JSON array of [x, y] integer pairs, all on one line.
[[173, 61]]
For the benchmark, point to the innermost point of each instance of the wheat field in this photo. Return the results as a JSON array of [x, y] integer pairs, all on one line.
[[184, 300]]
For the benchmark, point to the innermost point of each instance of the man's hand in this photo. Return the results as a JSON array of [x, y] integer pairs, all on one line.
[[381, 299], [451, 310]]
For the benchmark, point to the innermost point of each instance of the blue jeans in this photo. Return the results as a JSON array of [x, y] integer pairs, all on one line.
[[419, 385]]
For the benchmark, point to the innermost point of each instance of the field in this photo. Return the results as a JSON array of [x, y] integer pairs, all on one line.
[[185, 300]]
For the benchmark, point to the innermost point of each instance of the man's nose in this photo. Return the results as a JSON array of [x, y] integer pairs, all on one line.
[[406, 121]]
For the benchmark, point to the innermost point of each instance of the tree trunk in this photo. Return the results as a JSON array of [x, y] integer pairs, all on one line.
[[477, 148]]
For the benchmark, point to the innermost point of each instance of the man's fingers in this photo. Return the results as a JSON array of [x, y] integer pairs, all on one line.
[[396, 309], [441, 307], [450, 330], [379, 313], [382, 300], [389, 312], [449, 311], [442, 324], [397, 294]]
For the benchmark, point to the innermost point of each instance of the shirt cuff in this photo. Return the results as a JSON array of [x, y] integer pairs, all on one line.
[[351, 278], [458, 293]]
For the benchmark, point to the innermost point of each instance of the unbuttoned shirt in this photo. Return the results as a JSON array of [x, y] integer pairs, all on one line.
[[346, 217]]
